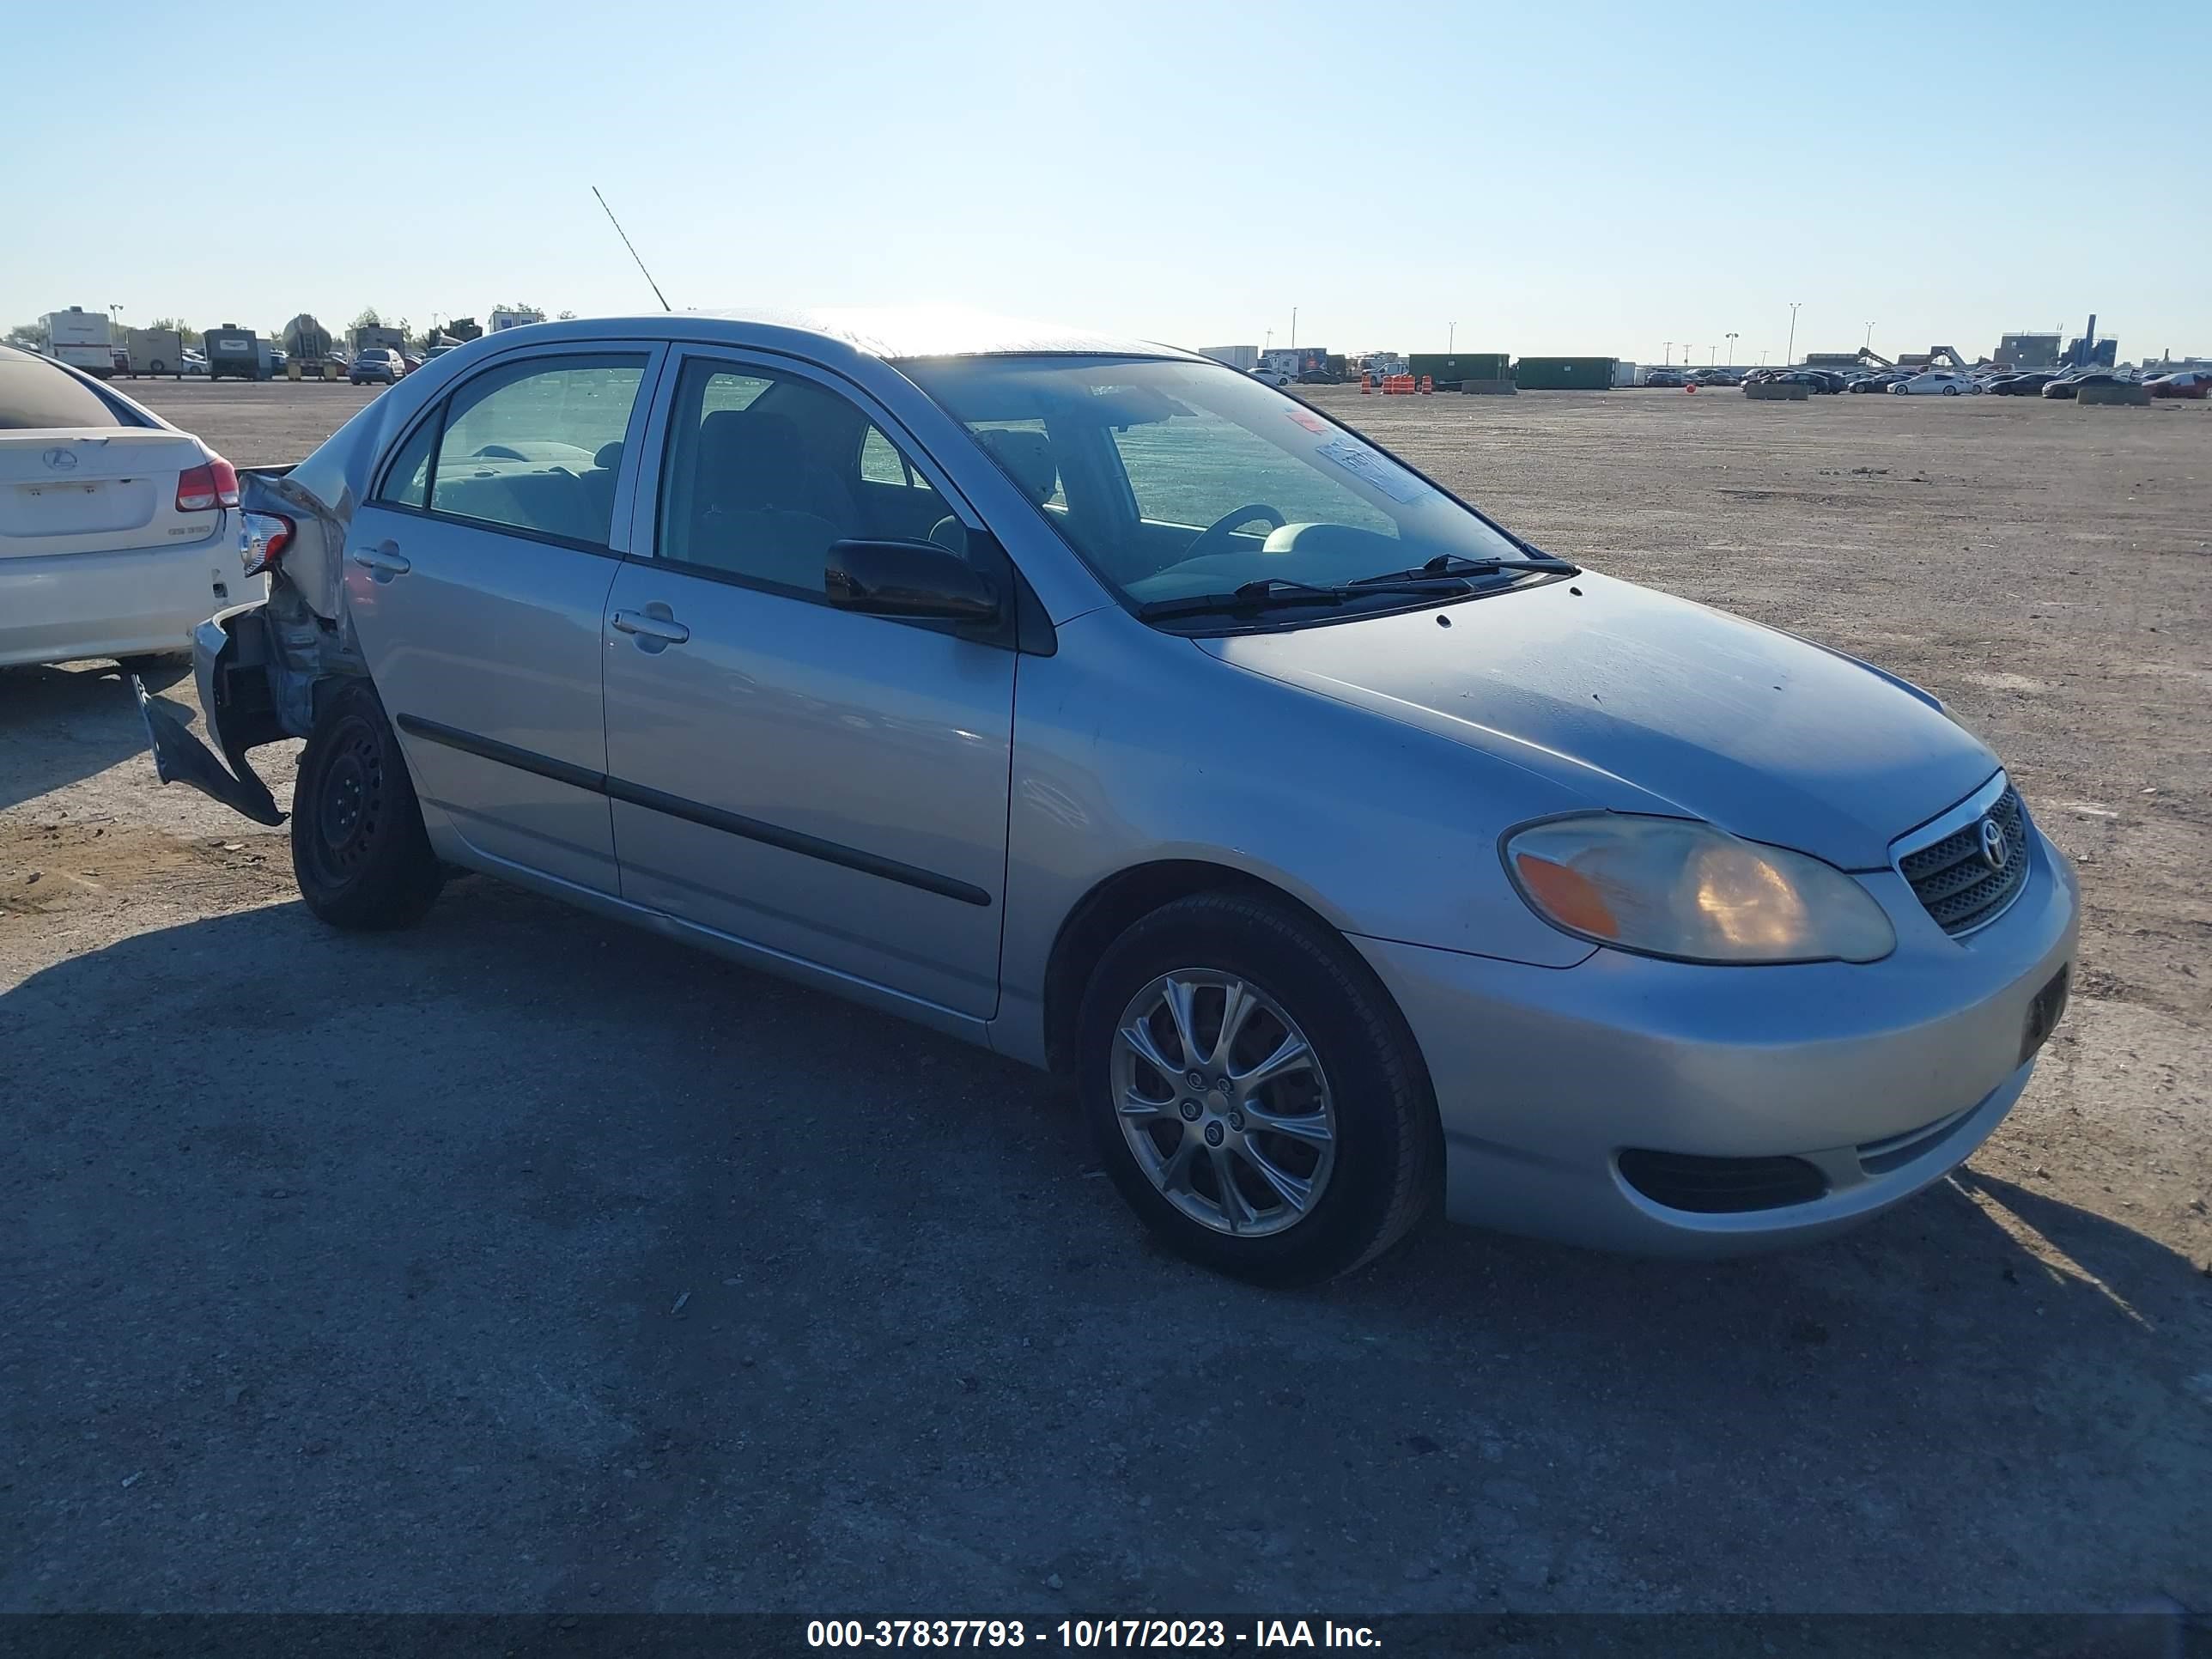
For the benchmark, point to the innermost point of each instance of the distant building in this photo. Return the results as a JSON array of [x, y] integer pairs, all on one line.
[[503, 320], [2027, 351], [2086, 354]]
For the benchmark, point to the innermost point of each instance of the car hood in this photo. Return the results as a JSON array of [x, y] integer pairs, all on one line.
[[1641, 702]]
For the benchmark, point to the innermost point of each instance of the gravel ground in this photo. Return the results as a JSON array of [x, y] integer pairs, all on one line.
[[523, 1262]]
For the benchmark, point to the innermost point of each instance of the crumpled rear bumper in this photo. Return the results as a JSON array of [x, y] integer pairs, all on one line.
[[181, 758]]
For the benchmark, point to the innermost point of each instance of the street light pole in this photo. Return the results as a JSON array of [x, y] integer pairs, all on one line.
[[1294, 328], [1790, 355], [1869, 338], [1731, 348], [1451, 337], [1713, 357], [1670, 354]]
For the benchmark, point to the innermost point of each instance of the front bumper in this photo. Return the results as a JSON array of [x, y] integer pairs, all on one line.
[[1884, 1076]]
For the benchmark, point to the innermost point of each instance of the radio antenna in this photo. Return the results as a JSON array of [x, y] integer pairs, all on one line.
[[626, 243]]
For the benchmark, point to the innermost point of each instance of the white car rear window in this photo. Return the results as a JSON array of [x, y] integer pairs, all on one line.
[[35, 395]]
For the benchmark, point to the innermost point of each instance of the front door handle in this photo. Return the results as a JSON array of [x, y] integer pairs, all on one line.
[[647, 626], [385, 560]]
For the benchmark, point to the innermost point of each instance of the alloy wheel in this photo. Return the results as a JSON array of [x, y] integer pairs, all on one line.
[[1223, 1102]]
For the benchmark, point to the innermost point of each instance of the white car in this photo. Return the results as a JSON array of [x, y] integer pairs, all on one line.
[[194, 363], [1274, 377], [117, 532], [1937, 383]]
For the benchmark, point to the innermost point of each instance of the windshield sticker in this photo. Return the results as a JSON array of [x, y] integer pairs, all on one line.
[[1373, 470], [1308, 419]]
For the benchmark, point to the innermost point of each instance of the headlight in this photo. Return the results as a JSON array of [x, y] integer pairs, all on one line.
[[1669, 887]]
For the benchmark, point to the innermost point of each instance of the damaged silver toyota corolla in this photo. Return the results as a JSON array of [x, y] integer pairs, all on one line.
[[1093, 703]]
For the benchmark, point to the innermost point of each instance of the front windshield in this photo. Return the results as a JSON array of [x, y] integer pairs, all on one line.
[[1174, 479]]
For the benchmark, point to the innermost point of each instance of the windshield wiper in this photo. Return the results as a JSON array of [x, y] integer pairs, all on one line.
[[1274, 593], [1457, 564]]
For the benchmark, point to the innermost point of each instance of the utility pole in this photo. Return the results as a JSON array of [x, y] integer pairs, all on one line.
[[1792, 356]]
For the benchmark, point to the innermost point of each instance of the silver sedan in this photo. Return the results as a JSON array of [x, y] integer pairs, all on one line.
[[1093, 702]]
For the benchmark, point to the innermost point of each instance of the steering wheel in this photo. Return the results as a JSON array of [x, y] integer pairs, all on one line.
[[1209, 539]]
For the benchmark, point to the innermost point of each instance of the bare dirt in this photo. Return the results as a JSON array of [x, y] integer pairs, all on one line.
[[522, 1263]]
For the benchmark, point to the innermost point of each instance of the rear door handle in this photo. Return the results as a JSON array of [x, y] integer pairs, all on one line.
[[384, 559], [667, 630]]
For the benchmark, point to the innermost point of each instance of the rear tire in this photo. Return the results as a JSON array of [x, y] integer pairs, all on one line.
[[359, 850], [1366, 1184]]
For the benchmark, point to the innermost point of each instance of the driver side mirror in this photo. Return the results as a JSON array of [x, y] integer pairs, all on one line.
[[906, 578]]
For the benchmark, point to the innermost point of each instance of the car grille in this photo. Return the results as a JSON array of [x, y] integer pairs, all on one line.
[[1721, 1185], [1953, 879]]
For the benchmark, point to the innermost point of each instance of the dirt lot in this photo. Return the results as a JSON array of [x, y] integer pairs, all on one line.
[[523, 1262]]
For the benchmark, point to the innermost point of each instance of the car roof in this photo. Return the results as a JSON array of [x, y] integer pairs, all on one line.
[[886, 331]]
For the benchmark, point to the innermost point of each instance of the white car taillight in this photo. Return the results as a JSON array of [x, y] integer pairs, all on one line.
[[202, 489], [262, 541]]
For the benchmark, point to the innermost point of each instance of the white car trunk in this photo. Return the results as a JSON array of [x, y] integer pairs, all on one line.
[[96, 489]]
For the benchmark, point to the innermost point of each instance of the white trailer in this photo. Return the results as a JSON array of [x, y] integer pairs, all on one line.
[[154, 351], [1246, 358], [503, 320], [82, 339]]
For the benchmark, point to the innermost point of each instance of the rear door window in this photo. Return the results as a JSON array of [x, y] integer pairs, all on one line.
[[536, 447]]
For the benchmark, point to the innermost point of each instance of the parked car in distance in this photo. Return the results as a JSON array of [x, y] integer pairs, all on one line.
[[372, 364], [1881, 382], [2182, 383], [1267, 376], [194, 362], [1664, 377], [1754, 948], [1937, 382], [117, 530], [2069, 386], [2026, 384]]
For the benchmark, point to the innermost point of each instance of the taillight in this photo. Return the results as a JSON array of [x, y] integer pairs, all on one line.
[[202, 489], [262, 541]]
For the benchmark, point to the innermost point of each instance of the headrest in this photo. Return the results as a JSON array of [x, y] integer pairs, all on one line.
[[1026, 458]]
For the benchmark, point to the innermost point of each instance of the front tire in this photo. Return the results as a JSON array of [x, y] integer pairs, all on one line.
[[359, 851], [1254, 1093]]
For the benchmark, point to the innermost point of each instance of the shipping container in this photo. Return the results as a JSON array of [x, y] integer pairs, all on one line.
[[1563, 373], [1448, 368]]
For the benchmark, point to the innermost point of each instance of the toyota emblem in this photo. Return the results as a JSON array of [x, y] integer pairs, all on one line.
[[60, 459], [1995, 851]]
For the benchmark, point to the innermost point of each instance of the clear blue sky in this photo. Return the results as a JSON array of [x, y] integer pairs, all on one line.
[[1553, 178]]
